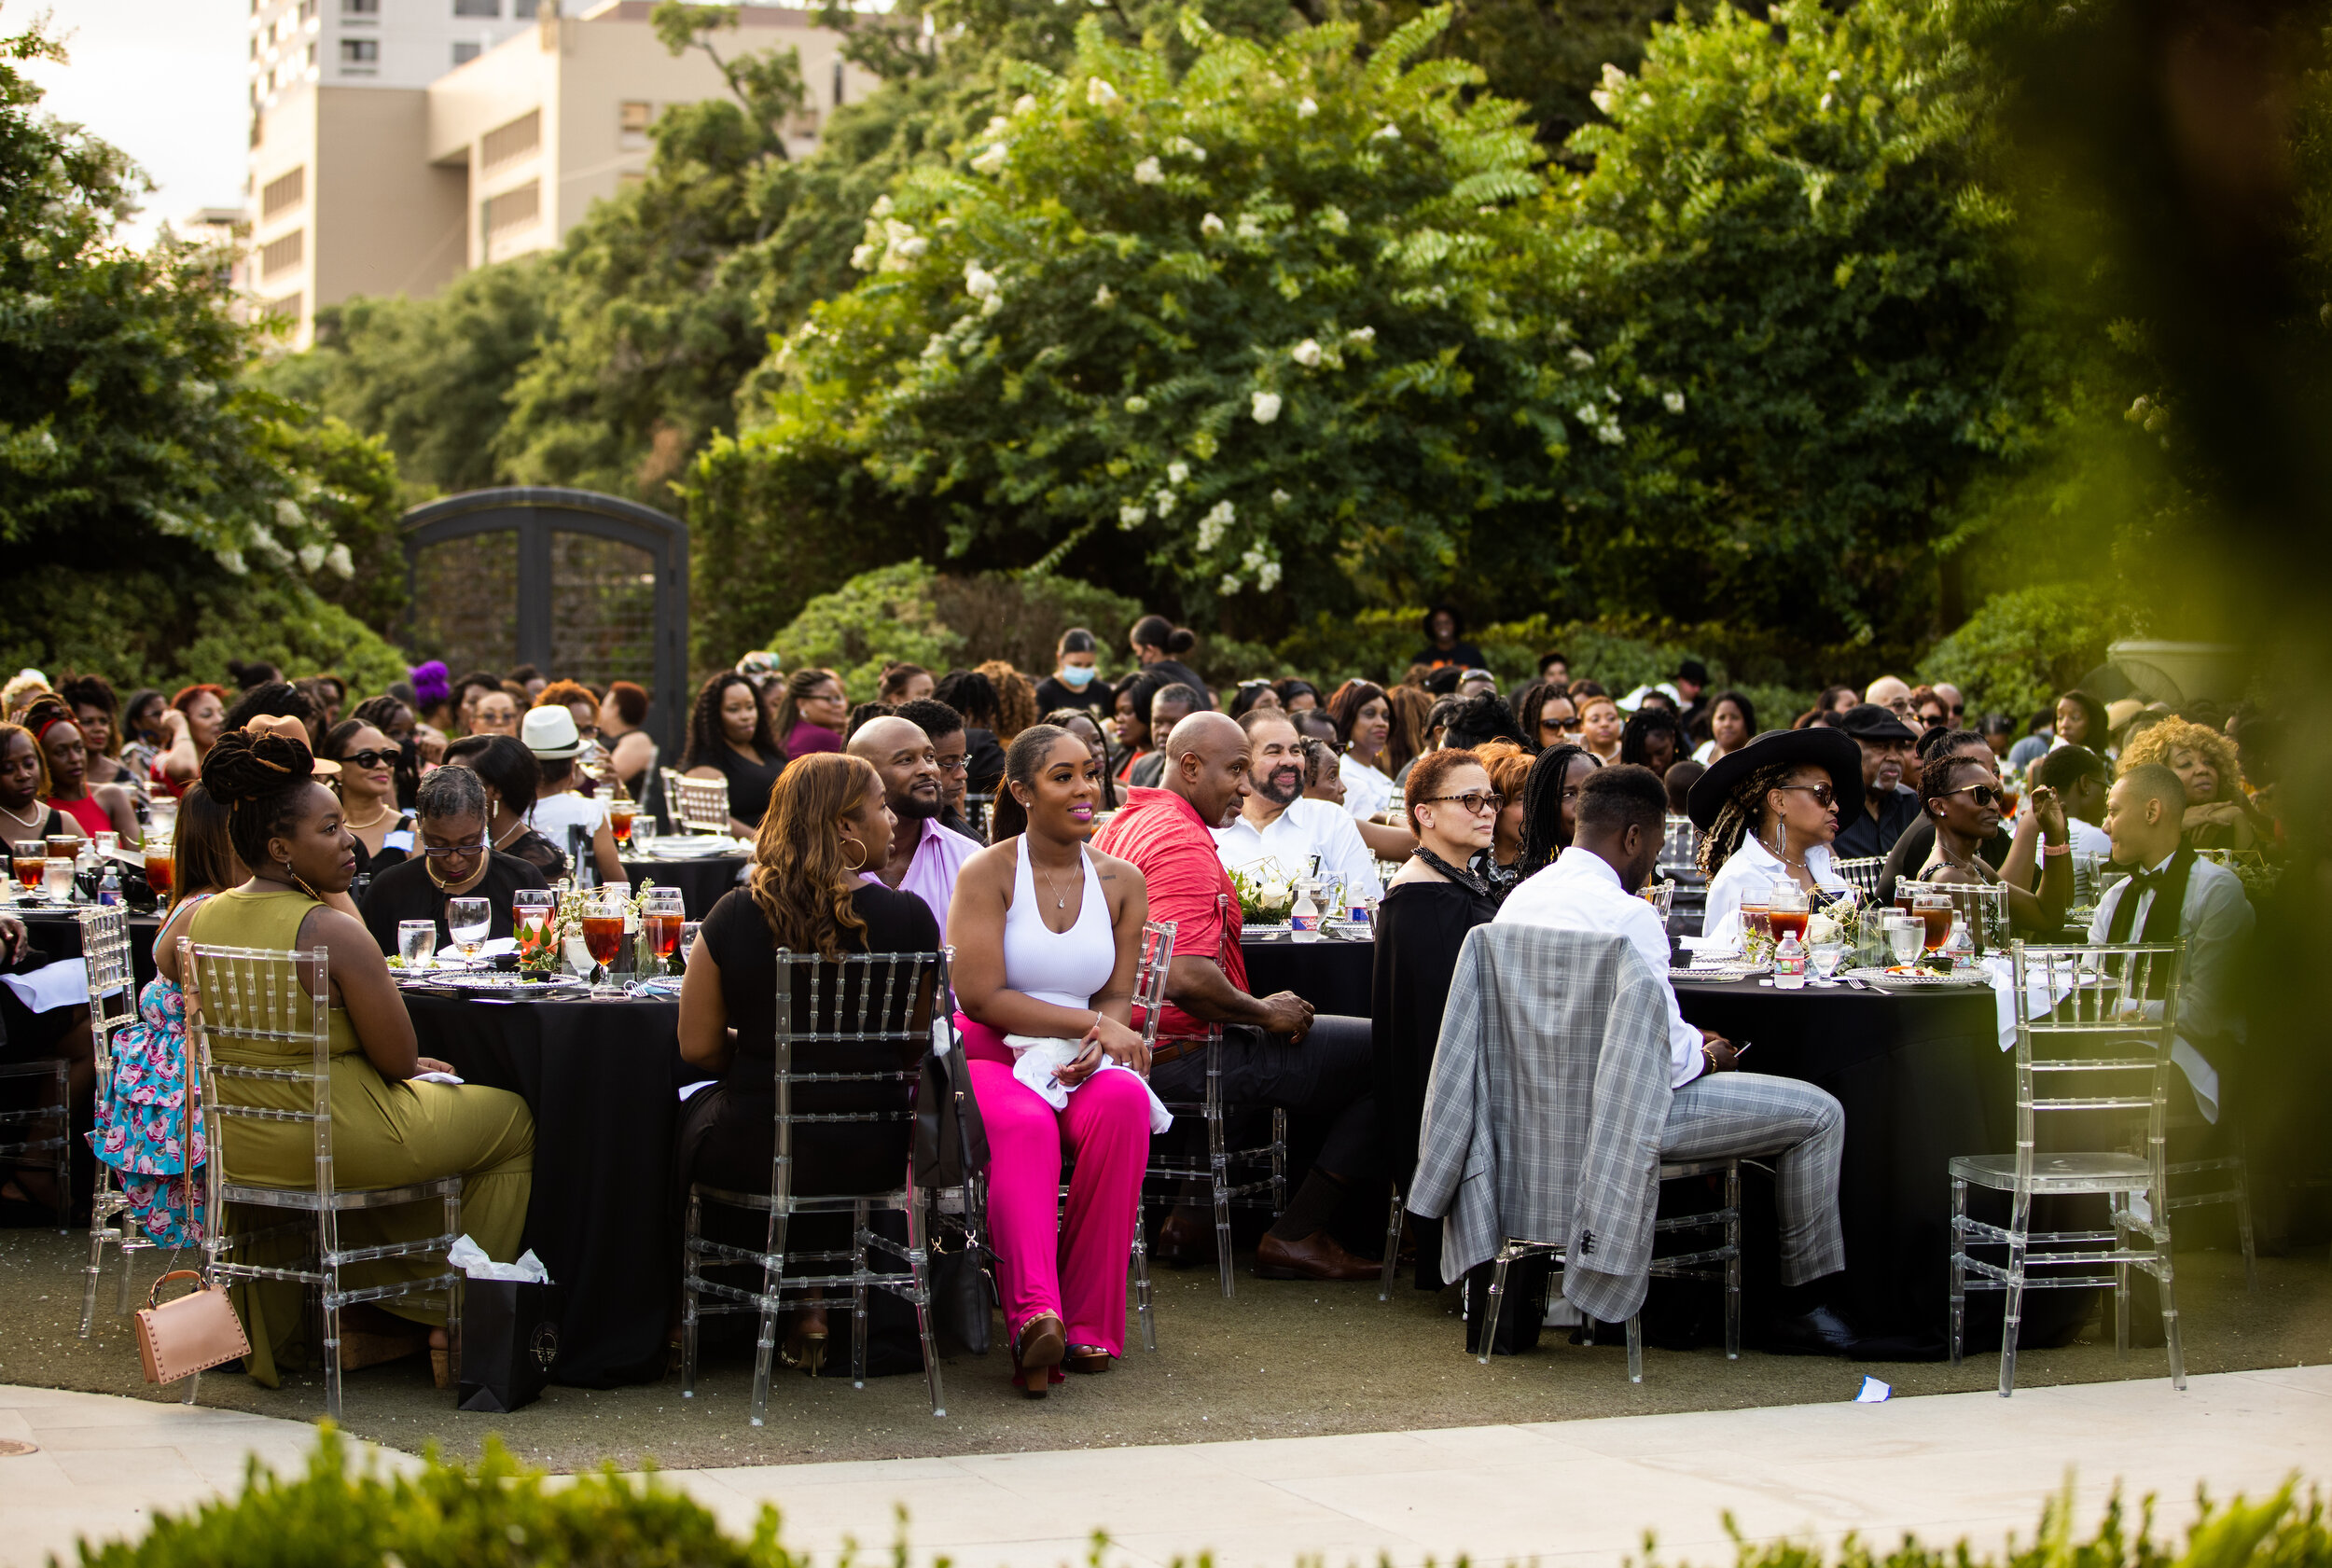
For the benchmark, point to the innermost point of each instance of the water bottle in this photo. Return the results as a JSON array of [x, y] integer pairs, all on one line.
[[1959, 947], [1789, 963], [1303, 920], [110, 885]]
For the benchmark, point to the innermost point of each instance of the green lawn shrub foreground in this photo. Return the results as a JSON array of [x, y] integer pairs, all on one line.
[[500, 1513]]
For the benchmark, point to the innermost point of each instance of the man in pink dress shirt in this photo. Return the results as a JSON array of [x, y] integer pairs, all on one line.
[[925, 857]]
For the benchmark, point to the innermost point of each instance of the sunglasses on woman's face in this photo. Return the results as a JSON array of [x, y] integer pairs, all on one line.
[[1560, 726], [1473, 803], [370, 758], [1983, 794], [1822, 793]]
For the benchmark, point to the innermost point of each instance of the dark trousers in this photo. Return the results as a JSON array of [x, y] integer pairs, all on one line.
[[1329, 1076]]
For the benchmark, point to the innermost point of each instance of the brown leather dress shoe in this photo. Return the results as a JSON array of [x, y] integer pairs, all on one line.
[[1317, 1257]]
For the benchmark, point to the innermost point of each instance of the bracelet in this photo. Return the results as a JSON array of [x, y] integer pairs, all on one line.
[[1708, 1054], [2054, 850]]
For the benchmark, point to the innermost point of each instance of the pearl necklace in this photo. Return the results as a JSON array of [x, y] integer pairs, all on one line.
[[34, 825]]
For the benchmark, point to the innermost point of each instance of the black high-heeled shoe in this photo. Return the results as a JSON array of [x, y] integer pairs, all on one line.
[[1036, 1352]]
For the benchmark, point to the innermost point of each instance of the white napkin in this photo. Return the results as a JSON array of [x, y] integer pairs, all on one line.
[[64, 983], [1036, 1062], [471, 1259], [434, 1078]]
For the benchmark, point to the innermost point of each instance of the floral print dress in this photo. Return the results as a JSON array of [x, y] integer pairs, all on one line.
[[142, 1119]]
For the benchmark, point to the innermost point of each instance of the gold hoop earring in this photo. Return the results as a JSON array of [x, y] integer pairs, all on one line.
[[860, 864]]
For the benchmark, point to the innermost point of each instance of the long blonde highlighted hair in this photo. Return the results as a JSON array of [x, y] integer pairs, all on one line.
[[801, 877]]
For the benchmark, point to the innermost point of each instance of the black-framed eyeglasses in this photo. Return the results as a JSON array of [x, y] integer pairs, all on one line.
[[370, 758], [440, 852], [1472, 802], [1822, 793], [1985, 795]]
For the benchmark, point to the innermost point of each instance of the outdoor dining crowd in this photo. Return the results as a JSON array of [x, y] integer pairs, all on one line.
[[1032, 827]]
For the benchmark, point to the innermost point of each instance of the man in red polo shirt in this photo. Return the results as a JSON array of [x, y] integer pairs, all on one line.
[[1275, 1050]]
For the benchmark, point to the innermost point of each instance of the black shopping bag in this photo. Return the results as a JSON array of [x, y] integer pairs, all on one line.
[[1522, 1306], [509, 1343]]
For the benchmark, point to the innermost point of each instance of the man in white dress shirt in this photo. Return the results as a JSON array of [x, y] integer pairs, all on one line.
[[2173, 893], [1277, 822], [1715, 1112]]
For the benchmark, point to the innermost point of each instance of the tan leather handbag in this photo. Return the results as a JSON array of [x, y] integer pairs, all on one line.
[[192, 1334]]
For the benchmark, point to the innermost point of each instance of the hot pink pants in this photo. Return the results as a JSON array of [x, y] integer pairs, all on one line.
[[1075, 1266]]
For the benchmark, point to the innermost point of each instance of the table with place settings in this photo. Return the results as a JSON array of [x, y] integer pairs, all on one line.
[[1333, 973], [702, 876], [602, 1077]]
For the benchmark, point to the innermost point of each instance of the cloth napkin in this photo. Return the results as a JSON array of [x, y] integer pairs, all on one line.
[[471, 1259], [1037, 1061], [60, 984]]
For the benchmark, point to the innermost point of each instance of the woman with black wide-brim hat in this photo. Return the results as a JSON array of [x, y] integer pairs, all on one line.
[[1770, 810]]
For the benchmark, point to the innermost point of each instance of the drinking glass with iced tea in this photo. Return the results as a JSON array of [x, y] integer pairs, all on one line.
[[1786, 909], [30, 860], [660, 917], [603, 933], [621, 813], [1933, 908]]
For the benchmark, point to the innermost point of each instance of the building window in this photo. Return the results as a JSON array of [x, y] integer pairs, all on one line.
[[311, 57], [283, 193], [281, 255], [477, 8], [307, 10], [517, 139], [287, 309], [360, 53], [464, 53], [360, 8], [514, 209], [631, 122]]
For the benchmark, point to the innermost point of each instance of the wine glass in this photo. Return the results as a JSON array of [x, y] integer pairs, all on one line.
[[662, 913], [621, 813], [531, 907], [1905, 934], [688, 929], [1933, 908], [1826, 957], [468, 920]]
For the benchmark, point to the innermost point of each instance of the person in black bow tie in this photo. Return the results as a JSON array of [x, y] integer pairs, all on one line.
[[2169, 894]]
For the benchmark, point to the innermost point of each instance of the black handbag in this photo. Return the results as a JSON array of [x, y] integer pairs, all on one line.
[[950, 1139], [510, 1344], [962, 1297]]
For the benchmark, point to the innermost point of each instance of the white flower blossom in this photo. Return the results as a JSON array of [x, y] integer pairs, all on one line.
[[1267, 576], [881, 209], [935, 347], [912, 247], [1601, 99], [1212, 526], [1672, 401], [1361, 335], [1253, 559], [1185, 147], [288, 514], [1281, 498], [863, 259], [1583, 359], [1131, 514], [1589, 413], [1164, 502], [997, 125], [1103, 298], [1306, 109], [1149, 172], [310, 557], [996, 158], [1265, 406], [45, 443], [1306, 353], [1210, 226], [979, 282], [1333, 218], [1178, 472], [233, 561], [199, 390], [340, 561], [1250, 227], [1137, 404], [1229, 585], [1386, 132], [1826, 102], [1609, 434], [1025, 104], [1099, 94], [1835, 76], [990, 305]]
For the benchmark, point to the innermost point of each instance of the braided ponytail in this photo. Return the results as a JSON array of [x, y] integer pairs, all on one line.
[[1743, 811]]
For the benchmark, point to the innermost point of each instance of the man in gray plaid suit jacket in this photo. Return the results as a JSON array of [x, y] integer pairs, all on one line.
[[1709, 1111]]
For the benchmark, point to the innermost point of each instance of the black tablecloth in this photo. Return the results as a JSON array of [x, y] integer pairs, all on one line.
[[1334, 975], [600, 1077], [1923, 1079], [700, 882], [58, 933]]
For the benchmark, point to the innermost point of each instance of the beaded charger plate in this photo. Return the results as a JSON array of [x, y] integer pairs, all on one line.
[[494, 982], [1919, 979], [1733, 969]]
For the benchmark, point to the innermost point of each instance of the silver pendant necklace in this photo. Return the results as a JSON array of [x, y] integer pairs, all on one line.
[[1061, 899]]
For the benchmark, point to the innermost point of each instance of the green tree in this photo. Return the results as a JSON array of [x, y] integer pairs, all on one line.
[[1799, 342], [1259, 327], [132, 449]]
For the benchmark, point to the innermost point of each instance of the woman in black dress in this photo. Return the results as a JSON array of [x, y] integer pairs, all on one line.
[[729, 738], [1421, 924], [826, 820], [513, 778]]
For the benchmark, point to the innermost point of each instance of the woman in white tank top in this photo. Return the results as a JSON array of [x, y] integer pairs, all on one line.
[[1047, 935]]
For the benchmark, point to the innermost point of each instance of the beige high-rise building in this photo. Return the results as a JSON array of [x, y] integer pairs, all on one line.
[[396, 181]]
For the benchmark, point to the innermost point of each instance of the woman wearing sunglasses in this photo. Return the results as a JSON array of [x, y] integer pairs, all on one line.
[[1961, 795], [1770, 811], [368, 759], [1428, 907]]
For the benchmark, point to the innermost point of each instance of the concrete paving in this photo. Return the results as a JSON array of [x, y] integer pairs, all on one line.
[[1559, 1493]]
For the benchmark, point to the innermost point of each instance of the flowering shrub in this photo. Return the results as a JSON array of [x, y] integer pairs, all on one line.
[[1261, 321]]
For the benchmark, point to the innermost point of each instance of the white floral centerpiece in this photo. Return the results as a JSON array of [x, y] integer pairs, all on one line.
[[1267, 894]]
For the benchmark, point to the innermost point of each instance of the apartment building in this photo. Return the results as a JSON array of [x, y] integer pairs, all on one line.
[[385, 185]]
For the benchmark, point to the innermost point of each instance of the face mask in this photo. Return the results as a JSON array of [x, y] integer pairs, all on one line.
[[1076, 677]]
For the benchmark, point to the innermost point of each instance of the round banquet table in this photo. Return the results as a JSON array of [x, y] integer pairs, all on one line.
[[700, 881], [601, 1079], [1922, 1078], [58, 933], [1332, 974]]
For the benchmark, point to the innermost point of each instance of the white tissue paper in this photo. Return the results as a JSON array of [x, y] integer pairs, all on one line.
[[1873, 1392], [471, 1259], [435, 1078], [1035, 1061]]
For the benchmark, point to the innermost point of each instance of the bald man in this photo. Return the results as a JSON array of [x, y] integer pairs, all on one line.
[[1891, 692], [925, 857], [1274, 1051]]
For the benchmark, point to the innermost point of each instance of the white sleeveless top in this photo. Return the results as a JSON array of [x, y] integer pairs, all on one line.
[[1064, 967]]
